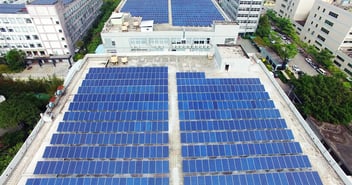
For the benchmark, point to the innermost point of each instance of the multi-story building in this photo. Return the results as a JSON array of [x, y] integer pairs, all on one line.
[[182, 30], [245, 12], [329, 26], [326, 24], [46, 27]]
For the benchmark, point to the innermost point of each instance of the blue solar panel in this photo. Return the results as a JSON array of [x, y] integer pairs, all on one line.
[[129, 70], [101, 167], [239, 136], [118, 105], [115, 89], [125, 82], [304, 178], [220, 88], [106, 152], [223, 96], [248, 124], [111, 116], [120, 138], [229, 114], [242, 104], [246, 164], [230, 150], [217, 81], [156, 10], [127, 75], [121, 97], [123, 126], [99, 181], [196, 13]]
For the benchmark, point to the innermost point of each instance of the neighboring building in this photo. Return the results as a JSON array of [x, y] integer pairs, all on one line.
[[245, 12], [297, 10], [327, 26], [46, 27], [185, 29], [146, 36]]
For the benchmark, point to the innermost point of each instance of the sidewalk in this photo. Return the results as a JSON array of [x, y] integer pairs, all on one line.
[[44, 71]]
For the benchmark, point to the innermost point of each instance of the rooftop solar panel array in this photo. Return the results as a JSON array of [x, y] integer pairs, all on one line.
[[114, 130], [194, 13], [231, 133], [156, 10]]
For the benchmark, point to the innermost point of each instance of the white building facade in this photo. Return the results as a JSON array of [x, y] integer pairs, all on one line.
[[123, 33], [297, 10], [329, 26], [47, 28], [245, 12]]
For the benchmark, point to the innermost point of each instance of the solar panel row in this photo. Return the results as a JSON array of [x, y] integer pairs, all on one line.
[[190, 75], [233, 150], [249, 124], [196, 13], [126, 75], [242, 104], [106, 152], [246, 164], [99, 181], [287, 178], [110, 139], [130, 70], [121, 97], [116, 115], [151, 89], [156, 10], [237, 136], [116, 126], [219, 88], [228, 114], [223, 96], [119, 105], [124, 82], [217, 81], [101, 167]]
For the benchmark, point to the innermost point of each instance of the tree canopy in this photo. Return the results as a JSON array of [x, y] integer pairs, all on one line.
[[325, 98], [15, 59], [264, 26]]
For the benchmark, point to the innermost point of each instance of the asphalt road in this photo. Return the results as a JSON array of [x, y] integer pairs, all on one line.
[[303, 65]]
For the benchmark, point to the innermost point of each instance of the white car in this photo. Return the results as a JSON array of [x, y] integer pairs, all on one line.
[[296, 68], [308, 60]]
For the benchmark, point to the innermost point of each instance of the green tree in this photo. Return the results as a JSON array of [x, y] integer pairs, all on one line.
[[19, 111], [15, 59], [324, 98], [324, 57], [264, 26], [288, 51]]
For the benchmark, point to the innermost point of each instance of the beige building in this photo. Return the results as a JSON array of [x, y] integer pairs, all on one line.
[[329, 26], [50, 27], [324, 24]]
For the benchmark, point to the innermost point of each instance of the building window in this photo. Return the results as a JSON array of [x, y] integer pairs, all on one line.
[[321, 38], [65, 46], [28, 20], [62, 38], [60, 30], [42, 52], [329, 23], [348, 71], [57, 22], [35, 37], [324, 30], [318, 44], [31, 45], [337, 63], [28, 37], [113, 43], [323, 10], [340, 58], [39, 45], [334, 15]]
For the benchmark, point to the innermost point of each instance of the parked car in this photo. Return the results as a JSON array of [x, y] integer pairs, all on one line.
[[308, 60], [321, 71], [296, 68]]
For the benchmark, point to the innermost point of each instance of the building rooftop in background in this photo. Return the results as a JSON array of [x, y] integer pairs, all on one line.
[[172, 119]]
